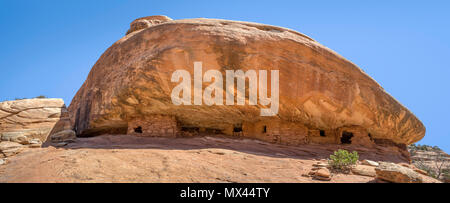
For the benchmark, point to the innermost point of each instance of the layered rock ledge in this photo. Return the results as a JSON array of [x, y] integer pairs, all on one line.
[[31, 121]]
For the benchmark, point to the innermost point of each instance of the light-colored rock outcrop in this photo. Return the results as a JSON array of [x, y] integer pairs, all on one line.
[[27, 119], [8, 149], [30, 122], [369, 163], [324, 98], [364, 170], [395, 173]]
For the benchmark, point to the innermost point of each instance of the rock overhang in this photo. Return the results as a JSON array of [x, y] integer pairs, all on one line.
[[318, 89]]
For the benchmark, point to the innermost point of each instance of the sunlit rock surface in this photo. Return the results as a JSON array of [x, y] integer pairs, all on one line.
[[324, 98]]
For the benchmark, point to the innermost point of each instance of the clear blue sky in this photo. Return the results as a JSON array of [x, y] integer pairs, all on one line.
[[48, 47]]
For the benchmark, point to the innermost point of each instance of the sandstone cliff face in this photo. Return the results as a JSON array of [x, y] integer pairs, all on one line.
[[434, 161], [27, 119], [324, 98]]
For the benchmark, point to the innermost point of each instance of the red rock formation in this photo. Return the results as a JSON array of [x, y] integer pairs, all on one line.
[[324, 98]]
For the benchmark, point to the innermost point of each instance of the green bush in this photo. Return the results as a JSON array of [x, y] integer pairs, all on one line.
[[41, 97], [413, 147], [343, 160]]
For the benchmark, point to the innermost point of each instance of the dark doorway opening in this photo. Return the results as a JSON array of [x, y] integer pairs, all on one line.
[[346, 137], [237, 131], [138, 129], [264, 129], [322, 133]]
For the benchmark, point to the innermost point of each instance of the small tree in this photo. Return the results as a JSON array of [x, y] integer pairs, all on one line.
[[343, 160], [420, 165], [440, 163], [438, 166], [446, 175]]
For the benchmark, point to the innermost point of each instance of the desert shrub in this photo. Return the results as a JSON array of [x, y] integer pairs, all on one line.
[[343, 160], [41, 97], [424, 147], [436, 148]]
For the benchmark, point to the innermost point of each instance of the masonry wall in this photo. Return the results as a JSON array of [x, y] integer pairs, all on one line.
[[154, 126], [326, 137], [272, 131], [276, 132], [296, 134]]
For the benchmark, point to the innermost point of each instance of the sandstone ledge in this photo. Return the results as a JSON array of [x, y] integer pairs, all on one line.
[[127, 158]]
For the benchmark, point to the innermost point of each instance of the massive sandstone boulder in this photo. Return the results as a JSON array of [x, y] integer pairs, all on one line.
[[324, 98], [25, 121]]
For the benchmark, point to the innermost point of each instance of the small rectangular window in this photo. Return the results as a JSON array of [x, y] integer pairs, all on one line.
[[322, 133]]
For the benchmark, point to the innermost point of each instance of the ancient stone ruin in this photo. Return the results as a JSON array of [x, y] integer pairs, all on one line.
[[324, 98]]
